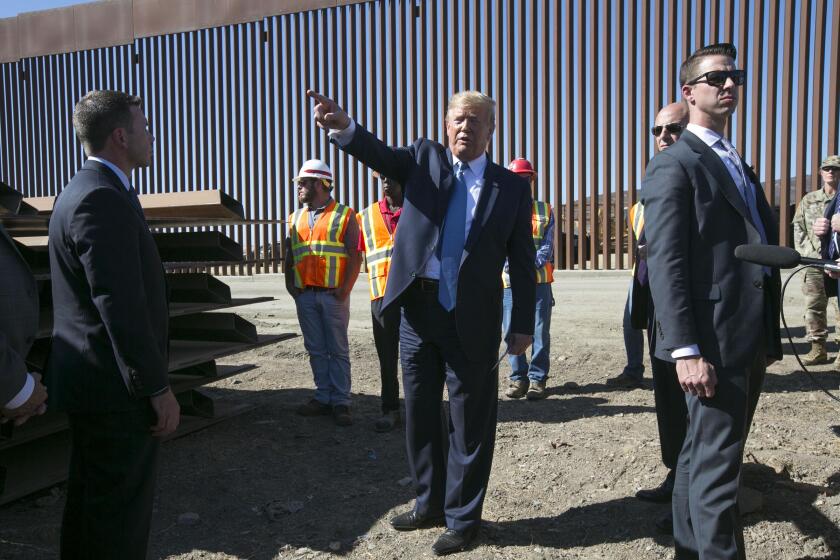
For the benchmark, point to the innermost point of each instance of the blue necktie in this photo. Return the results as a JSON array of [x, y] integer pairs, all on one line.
[[452, 239]]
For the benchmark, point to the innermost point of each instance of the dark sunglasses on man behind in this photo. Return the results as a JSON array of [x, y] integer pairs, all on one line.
[[831, 169], [717, 78], [673, 128]]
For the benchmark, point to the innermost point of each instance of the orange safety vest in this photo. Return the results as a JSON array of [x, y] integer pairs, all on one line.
[[539, 223], [319, 255], [379, 244]]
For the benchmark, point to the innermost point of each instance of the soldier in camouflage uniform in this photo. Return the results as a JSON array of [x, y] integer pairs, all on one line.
[[811, 208]]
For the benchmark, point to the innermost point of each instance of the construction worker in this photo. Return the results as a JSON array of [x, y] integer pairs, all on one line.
[[321, 268], [529, 379], [378, 226], [816, 288]]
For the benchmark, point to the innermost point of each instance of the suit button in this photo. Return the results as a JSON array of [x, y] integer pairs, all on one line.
[[414, 275], [758, 284], [29, 340]]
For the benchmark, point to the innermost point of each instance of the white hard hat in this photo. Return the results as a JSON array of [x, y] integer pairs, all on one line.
[[314, 168]]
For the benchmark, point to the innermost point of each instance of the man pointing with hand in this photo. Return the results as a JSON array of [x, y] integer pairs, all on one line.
[[462, 216]]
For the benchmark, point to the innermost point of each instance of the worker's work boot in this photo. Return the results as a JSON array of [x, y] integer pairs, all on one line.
[[817, 355], [517, 389]]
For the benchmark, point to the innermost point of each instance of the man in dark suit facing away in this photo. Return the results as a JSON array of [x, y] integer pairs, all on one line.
[[462, 216], [22, 394], [108, 367], [717, 317]]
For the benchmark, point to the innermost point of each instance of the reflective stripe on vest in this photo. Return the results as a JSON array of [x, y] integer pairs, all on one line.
[[319, 256], [637, 222], [540, 218], [637, 219], [379, 244]]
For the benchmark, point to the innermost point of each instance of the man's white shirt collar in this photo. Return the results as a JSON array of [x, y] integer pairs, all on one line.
[[117, 171], [477, 166], [707, 135]]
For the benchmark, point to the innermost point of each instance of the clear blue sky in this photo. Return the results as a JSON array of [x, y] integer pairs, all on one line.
[[11, 8]]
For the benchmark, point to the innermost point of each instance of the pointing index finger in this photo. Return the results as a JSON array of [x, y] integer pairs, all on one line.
[[316, 96]]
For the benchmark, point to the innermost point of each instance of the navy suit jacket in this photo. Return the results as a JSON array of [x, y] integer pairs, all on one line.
[[694, 218], [111, 325], [501, 229], [18, 317]]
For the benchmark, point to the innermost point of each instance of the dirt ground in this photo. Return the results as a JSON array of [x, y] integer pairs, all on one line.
[[269, 484]]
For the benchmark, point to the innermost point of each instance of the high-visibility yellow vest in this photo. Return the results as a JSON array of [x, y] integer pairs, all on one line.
[[636, 216], [319, 255], [540, 218], [379, 245]]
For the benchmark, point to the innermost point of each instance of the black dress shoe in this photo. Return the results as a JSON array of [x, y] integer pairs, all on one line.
[[661, 494], [411, 520], [665, 525], [454, 541]]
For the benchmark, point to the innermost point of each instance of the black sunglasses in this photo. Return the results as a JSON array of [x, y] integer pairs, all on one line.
[[717, 78], [673, 128], [831, 169]]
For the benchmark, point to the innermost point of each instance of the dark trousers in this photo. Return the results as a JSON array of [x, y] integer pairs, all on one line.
[[451, 476], [386, 338], [671, 410], [707, 523], [110, 490]]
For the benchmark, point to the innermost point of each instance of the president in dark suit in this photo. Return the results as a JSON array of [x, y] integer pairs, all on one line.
[[108, 367], [717, 317], [462, 216], [21, 393]]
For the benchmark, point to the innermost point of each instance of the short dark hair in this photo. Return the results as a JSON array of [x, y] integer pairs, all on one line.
[[99, 113], [688, 69]]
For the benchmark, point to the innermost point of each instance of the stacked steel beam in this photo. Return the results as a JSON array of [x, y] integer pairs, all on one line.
[[35, 455]]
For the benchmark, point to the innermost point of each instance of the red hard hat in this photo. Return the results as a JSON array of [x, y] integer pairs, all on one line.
[[523, 166]]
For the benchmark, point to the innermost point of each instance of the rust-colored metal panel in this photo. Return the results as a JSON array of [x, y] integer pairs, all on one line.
[[646, 121], [803, 82], [817, 92], [658, 55], [46, 32], [729, 20], [699, 23], [510, 95], [161, 17], [580, 80], [714, 12], [757, 91], [672, 68], [103, 24], [594, 34], [618, 135], [606, 132], [634, 130], [743, 42], [569, 89], [772, 64], [550, 176], [9, 40], [834, 72], [787, 117]]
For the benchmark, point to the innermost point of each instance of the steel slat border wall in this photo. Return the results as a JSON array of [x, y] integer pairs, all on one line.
[[577, 87]]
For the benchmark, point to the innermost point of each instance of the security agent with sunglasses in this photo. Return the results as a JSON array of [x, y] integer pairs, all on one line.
[[639, 314], [717, 317]]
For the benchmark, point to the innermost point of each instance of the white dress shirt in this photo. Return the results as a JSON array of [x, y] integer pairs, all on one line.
[[473, 177]]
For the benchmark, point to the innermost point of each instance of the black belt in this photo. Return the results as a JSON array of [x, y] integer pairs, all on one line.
[[427, 285], [316, 289]]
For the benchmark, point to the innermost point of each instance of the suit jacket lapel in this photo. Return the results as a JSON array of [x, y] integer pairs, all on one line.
[[712, 161]]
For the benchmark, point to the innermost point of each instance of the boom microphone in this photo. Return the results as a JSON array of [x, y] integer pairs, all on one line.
[[780, 257]]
